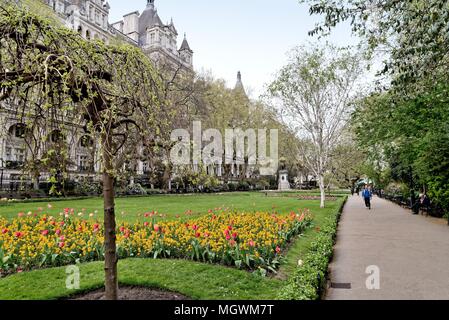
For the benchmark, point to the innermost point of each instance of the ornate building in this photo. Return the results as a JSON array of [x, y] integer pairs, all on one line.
[[157, 40], [90, 18]]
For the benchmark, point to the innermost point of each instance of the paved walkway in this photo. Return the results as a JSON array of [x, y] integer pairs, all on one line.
[[411, 252]]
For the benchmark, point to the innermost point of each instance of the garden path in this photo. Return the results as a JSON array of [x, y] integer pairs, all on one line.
[[411, 253]]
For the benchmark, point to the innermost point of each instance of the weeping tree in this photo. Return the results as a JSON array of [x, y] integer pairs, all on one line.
[[312, 93], [51, 75]]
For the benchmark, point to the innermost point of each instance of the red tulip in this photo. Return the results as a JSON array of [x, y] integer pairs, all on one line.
[[198, 235], [234, 235], [252, 243], [5, 231], [58, 232], [18, 234], [44, 232], [62, 239], [61, 245], [156, 228], [228, 237], [146, 224], [278, 250], [20, 214], [122, 229], [62, 223], [195, 227]]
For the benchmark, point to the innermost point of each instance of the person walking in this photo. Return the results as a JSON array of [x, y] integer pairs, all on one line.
[[367, 196]]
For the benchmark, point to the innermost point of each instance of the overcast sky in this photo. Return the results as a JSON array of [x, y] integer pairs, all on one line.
[[252, 36]]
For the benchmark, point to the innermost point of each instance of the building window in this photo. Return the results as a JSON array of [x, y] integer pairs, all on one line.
[[84, 163], [18, 131], [56, 136]]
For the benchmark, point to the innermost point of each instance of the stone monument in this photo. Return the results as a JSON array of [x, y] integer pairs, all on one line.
[[283, 181]]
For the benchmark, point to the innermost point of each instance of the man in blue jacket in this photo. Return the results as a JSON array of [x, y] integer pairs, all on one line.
[[367, 196]]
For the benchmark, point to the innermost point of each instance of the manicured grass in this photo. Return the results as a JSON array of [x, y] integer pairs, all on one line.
[[299, 248], [195, 280], [170, 205]]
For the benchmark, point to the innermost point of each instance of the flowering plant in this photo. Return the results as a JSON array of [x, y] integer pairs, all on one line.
[[251, 241]]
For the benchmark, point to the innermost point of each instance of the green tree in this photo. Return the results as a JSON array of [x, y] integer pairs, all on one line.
[[48, 73], [313, 94]]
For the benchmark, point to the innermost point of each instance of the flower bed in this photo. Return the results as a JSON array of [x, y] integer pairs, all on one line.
[[252, 241]]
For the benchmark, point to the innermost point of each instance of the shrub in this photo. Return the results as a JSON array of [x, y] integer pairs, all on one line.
[[309, 280], [243, 186], [136, 189], [85, 187]]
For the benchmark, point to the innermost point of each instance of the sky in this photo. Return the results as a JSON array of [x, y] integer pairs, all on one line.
[[251, 36]]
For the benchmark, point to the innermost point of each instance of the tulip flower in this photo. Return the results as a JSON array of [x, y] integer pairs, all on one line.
[[61, 245], [4, 231], [44, 232], [58, 232], [278, 250], [156, 228], [18, 234]]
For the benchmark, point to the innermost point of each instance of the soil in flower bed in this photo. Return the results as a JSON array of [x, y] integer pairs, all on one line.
[[133, 293]]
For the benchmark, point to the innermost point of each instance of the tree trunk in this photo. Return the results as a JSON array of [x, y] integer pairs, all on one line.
[[322, 190], [110, 265]]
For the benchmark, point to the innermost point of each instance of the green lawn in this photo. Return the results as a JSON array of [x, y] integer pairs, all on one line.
[[195, 280], [128, 209]]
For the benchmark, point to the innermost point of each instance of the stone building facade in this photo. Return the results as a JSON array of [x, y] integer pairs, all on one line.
[[91, 19]]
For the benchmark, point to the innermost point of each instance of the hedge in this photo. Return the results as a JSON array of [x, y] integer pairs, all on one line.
[[309, 281]]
